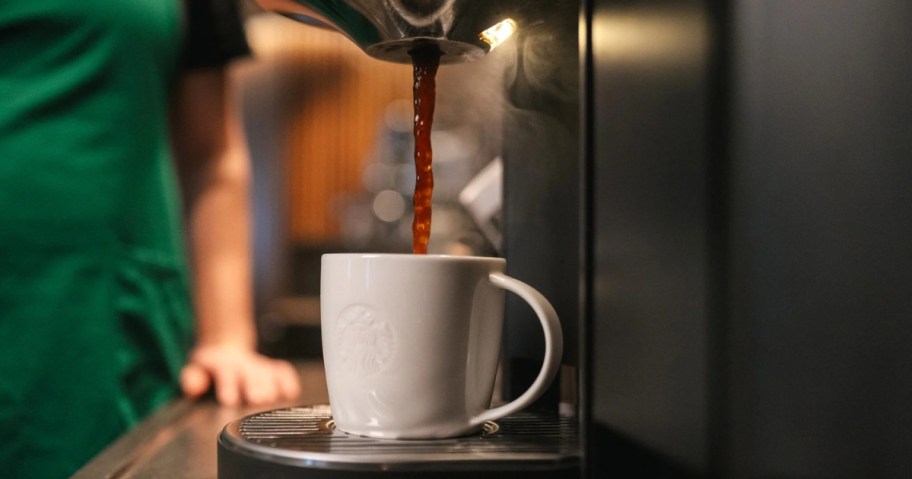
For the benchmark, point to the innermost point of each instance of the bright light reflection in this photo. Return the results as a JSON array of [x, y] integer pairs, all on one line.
[[499, 33]]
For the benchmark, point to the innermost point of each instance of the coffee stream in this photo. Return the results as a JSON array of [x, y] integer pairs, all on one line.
[[425, 60]]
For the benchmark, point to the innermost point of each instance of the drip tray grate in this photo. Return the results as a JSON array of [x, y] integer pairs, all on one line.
[[305, 438]]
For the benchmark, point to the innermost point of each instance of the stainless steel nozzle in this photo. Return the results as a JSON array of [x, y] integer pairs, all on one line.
[[463, 30]]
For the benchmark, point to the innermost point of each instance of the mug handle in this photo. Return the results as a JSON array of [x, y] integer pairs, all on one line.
[[554, 348]]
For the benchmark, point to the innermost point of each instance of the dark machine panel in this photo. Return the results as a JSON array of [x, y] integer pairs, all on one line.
[[750, 223], [821, 221]]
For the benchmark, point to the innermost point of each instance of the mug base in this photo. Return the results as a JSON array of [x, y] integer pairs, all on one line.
[[417, 434]]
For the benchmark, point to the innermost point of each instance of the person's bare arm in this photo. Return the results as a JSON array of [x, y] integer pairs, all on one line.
[[212, 164]]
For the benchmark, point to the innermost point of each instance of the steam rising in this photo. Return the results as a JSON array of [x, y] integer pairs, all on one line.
[[529, 82]]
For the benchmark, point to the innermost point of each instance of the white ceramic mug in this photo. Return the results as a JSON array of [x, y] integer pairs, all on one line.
[[411, 343]]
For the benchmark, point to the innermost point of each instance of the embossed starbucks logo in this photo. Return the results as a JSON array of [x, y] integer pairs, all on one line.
[[365, 343]]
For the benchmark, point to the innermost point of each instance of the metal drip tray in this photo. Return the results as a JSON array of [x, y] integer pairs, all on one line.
[[303, 442]]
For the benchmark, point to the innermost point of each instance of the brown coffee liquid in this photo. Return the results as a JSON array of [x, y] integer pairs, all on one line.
[[425, 60]]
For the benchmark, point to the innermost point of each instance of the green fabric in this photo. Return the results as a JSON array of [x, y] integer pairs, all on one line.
[[95, 317]]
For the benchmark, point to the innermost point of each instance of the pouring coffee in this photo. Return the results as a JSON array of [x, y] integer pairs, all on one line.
[[424, 33], [426, 58], [412, 342]]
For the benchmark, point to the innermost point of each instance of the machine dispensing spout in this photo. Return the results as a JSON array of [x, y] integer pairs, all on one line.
[[462, 30]]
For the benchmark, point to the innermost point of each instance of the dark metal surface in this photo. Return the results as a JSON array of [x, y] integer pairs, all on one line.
[[307, 434], [821, 221], [541, 191], [751, 223], [303, 442], [650, 229], [179, 441]]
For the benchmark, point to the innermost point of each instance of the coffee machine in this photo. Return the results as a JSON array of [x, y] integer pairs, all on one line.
[[718, 193], [545, 440]]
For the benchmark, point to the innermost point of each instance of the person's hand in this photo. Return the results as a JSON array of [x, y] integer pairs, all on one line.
[[239, 376]]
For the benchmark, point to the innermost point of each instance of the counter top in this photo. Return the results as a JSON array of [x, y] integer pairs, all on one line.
[[179, 441]]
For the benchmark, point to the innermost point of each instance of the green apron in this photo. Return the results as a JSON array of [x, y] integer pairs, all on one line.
[[95, 315]]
